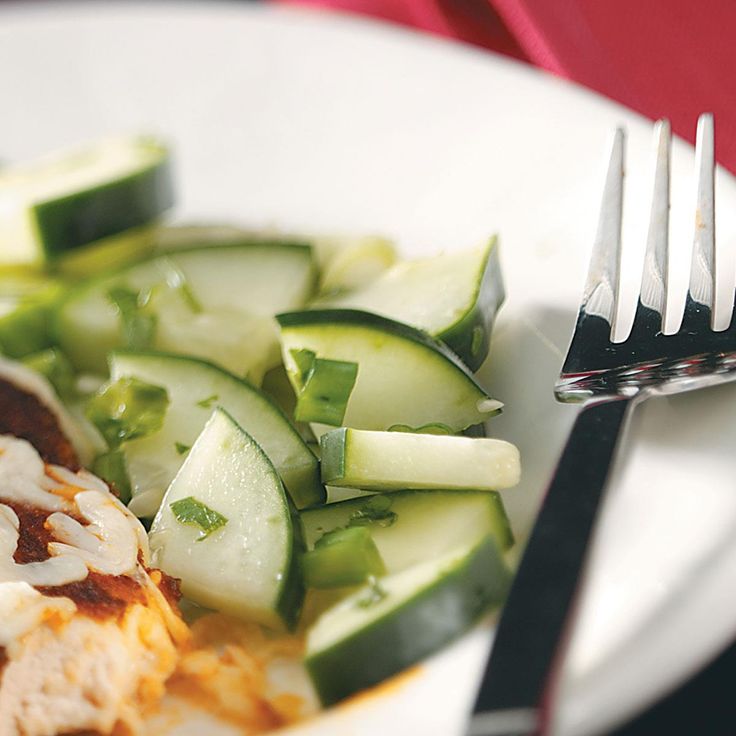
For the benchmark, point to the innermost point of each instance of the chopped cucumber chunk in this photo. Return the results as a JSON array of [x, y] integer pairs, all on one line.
[[195, 388], [394, 460], [352, 262], [409, 527], [404, 377], [215, 302], [342, 557], [392, 623], [225, 529], [453, 296], [57, 204]]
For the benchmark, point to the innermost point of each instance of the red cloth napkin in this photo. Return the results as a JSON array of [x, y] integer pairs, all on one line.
[[663, 58]]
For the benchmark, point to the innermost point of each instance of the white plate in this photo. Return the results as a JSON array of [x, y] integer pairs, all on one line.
[[311, 121]]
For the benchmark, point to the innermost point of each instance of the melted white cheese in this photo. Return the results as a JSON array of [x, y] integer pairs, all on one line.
[[54, 571], [23, 476], [108, 544], [90, 530]]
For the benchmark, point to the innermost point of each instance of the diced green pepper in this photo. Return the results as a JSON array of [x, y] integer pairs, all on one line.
[[342, 557], [127, 409], [326, 390]]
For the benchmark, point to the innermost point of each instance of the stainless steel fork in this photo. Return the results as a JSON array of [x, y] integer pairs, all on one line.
[[610, 378]]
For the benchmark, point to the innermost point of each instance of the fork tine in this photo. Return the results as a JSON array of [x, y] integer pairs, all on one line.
[[702, 270], [598, 307], [600, 295], [650, 311]]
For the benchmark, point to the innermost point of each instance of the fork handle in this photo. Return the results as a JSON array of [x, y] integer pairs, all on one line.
[[515, 687]]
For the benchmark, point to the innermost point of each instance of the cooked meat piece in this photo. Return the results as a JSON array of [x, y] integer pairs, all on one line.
[[89, 633], [22, 414], [29, 408]]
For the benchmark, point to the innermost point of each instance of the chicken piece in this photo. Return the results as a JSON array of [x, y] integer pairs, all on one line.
[[30, 409], [88, 633]]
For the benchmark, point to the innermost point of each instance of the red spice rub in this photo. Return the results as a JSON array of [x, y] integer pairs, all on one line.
[[23, 415], [97, 596]]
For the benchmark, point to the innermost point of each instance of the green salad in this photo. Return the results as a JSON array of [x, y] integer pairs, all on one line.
[[296, 420]]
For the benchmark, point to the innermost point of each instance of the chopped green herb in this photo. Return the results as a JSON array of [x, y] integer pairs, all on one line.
[[181, 448], [195, 513], [432, 428], [374, 593], [207, 403], [111, 468], [376, 511], [138, 326], [127, 409], [53, 365]]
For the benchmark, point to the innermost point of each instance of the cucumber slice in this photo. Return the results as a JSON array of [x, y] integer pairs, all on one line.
[[345, 262], [393, 623], [194, 388], [197, 297], [352, 262], [387, 461], [241, 555], [404, 376], [408, 527], [453, 296], [57, 204]]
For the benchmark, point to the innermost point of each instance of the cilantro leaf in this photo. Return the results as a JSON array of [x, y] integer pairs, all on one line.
[[195, 513], [207, 403]]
